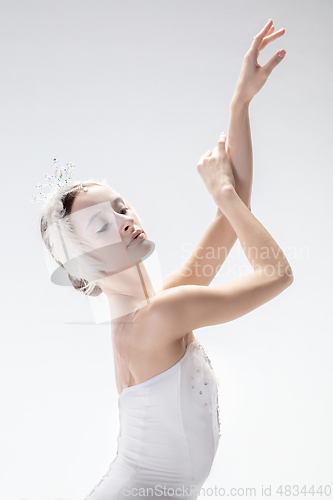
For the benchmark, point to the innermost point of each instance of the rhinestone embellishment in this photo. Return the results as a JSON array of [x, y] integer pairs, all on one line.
[[217, 394]]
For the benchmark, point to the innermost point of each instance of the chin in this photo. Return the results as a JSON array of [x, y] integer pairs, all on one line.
[[141, 248]]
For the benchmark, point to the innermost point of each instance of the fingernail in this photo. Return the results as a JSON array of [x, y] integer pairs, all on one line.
[[281, 53]]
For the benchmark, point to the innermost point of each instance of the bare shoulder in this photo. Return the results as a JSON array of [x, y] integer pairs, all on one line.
[[161, 322], [149, 325]]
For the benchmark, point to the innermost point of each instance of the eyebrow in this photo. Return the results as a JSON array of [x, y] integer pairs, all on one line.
[[96, 214]]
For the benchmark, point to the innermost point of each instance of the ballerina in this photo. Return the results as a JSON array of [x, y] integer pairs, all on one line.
[[168, 392]]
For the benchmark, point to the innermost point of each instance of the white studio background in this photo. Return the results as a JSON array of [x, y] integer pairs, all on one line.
[[136, 91]]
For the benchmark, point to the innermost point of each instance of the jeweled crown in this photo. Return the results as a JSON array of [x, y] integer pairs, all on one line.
[[62, 176]]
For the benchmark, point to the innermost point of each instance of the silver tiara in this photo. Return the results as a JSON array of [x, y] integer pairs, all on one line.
[[62, 176]]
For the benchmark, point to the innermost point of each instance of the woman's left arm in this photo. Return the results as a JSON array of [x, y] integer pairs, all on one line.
[[219, 237], [251, 80], [216, 242]]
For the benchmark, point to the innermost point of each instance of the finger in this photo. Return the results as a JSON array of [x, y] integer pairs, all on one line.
[[270, 30], [207, 154], [271, 38], [221, 143], [274, 61], [259, 37]]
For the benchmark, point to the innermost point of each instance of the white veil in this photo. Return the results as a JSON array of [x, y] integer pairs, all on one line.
[[112, 262]]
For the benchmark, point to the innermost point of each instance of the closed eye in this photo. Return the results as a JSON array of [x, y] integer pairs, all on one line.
[[103, 228]]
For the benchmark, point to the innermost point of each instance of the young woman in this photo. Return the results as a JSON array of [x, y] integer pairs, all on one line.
[[168, 395]]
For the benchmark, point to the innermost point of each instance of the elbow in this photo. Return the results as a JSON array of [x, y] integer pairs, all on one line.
[[287, 276]]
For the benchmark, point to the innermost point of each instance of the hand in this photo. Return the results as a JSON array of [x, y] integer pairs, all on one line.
[[253, 77], [215, 169]]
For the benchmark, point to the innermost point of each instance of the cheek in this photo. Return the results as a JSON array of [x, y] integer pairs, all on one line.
[[108, 237], [82, 244]]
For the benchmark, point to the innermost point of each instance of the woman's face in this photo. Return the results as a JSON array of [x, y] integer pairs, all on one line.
[[101, 218], [104, 226]]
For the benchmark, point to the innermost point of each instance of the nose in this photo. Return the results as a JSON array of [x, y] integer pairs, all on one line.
[[125, 222]]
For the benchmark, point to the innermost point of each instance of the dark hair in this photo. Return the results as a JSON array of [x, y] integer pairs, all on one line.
[[67, 202]]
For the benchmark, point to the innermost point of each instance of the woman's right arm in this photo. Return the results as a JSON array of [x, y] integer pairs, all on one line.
[[179, 310]]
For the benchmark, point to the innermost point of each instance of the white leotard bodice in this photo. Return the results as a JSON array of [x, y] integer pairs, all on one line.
[[169, 433]]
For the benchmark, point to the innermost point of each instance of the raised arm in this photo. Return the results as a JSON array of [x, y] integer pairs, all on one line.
[[219, 238], [179, 310], [251, 80]]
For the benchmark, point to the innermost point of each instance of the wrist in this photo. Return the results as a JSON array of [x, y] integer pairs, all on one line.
[[224, 196], [238, 102]]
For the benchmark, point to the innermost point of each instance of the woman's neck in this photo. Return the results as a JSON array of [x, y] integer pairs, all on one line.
[[128, 289]]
